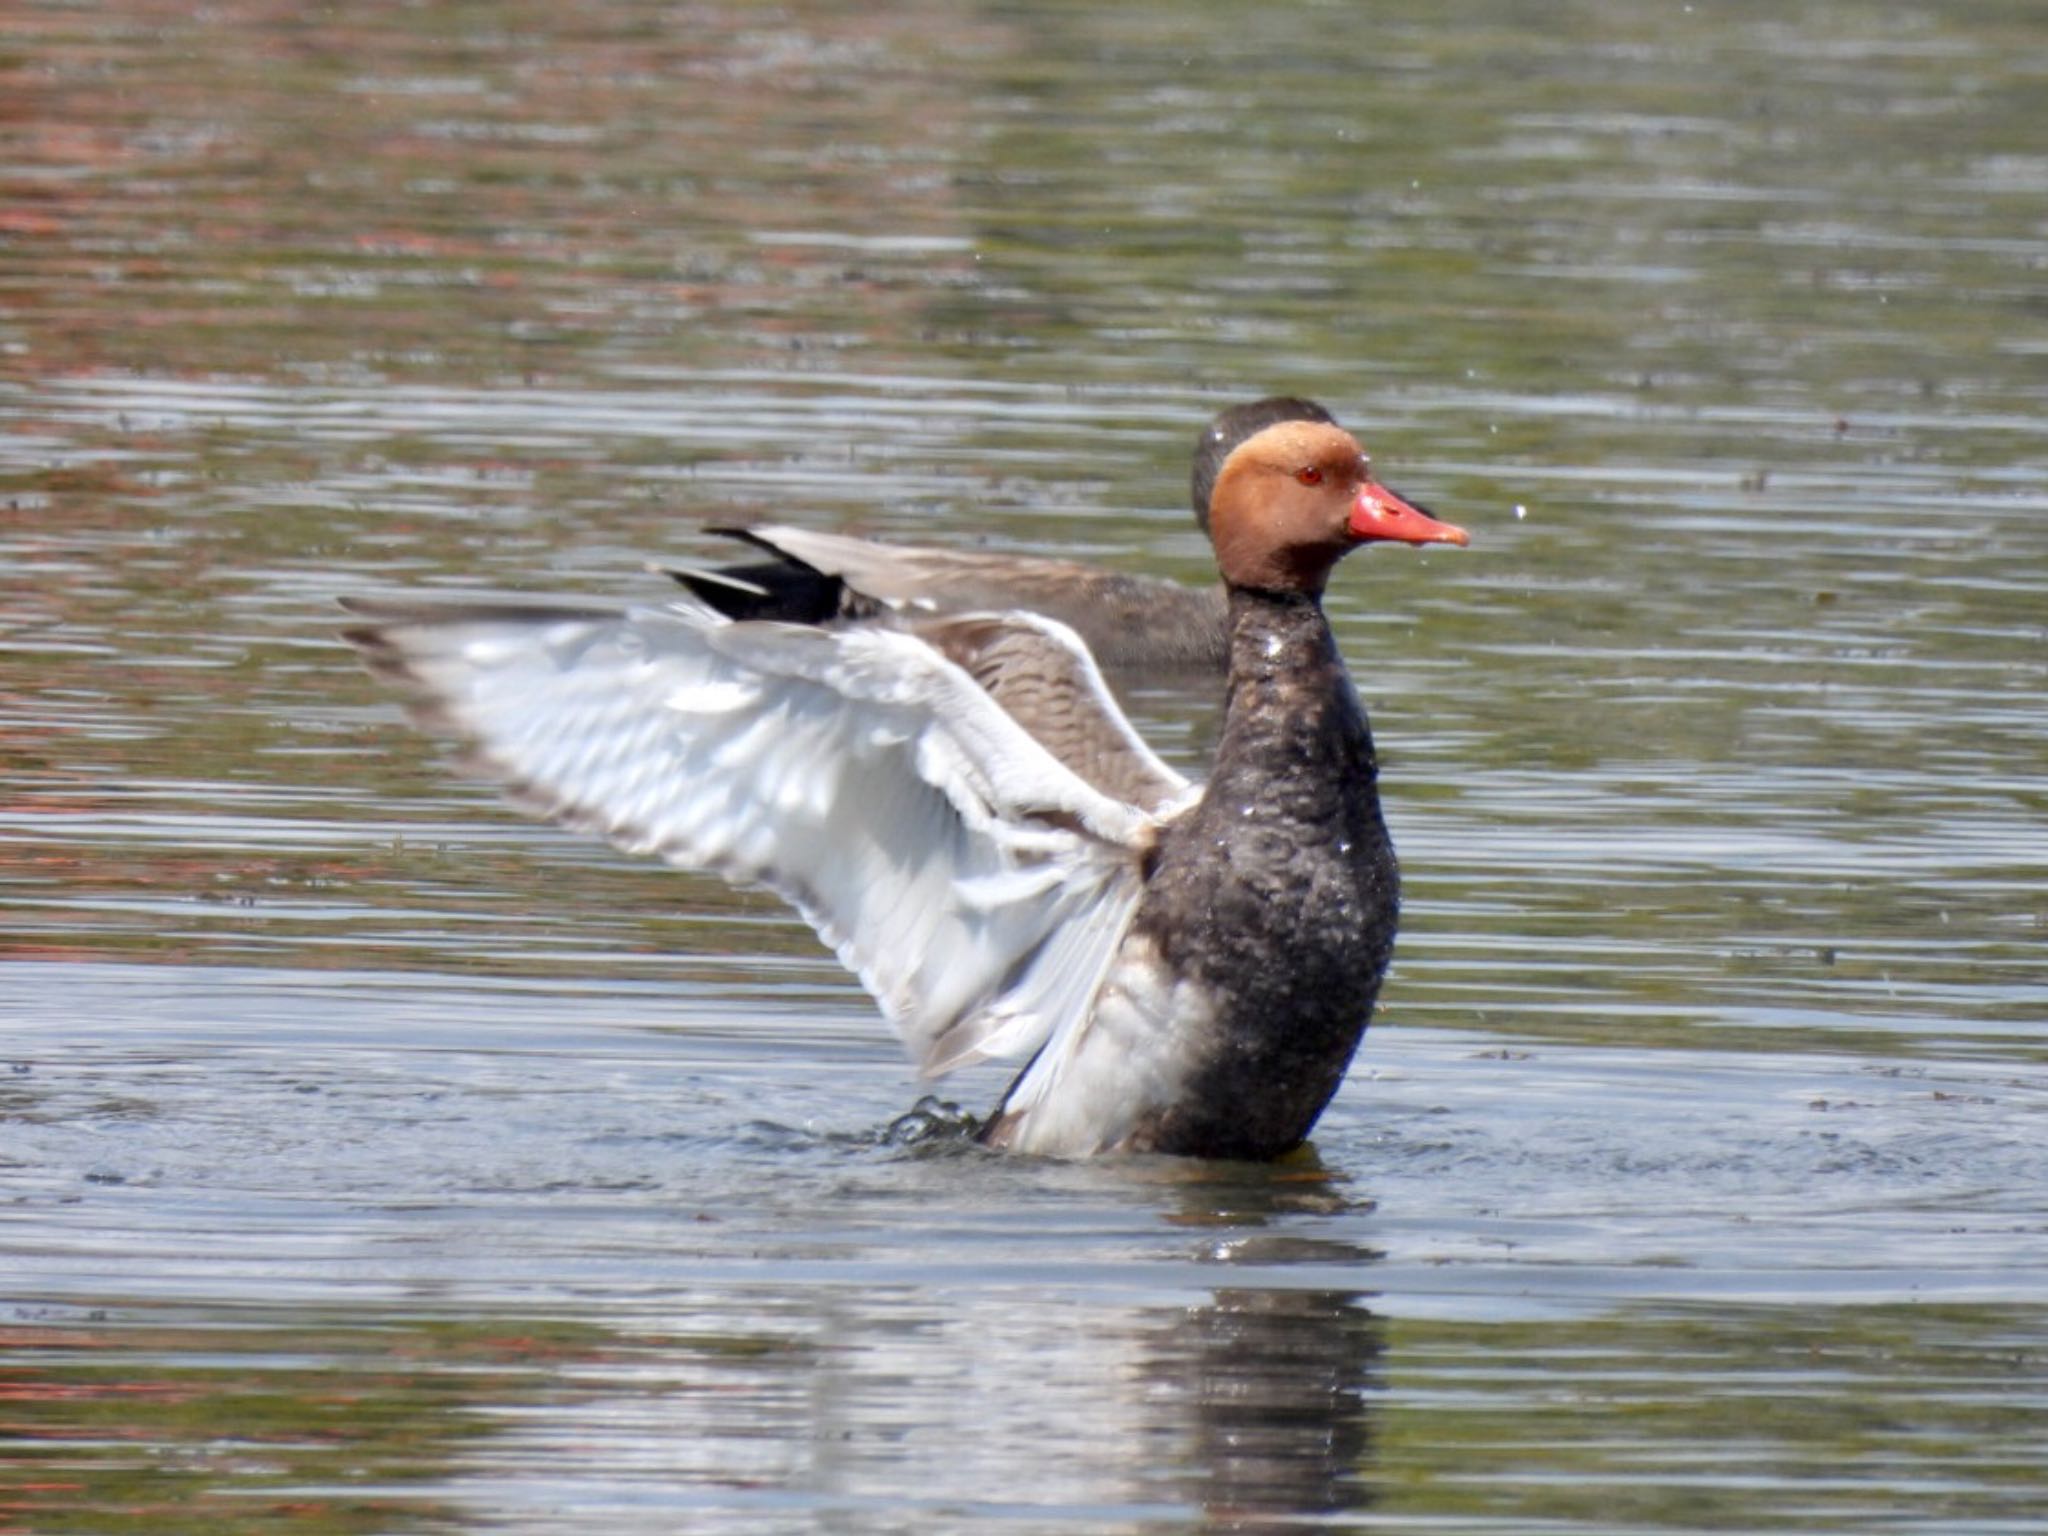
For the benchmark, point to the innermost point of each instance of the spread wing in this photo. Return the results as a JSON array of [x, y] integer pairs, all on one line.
[[1126, 620], [976, 885]]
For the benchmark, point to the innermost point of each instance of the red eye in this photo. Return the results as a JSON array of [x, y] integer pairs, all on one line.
[[1309, 476]]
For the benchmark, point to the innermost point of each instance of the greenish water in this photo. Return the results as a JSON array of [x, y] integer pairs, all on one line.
[[372, 1160]]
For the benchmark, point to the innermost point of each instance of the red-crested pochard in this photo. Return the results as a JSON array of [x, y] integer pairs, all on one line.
[[960, 809]]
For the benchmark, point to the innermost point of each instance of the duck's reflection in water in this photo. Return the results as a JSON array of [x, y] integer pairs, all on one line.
[[1059, 1379], [1264, 1392]]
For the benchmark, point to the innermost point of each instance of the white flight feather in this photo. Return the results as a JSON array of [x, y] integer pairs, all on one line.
[[977, 886]]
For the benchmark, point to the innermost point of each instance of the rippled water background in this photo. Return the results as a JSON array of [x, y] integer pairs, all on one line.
[[372, 1160]]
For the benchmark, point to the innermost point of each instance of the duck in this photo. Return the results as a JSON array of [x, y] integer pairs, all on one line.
[[1127, 621], [959, 808]]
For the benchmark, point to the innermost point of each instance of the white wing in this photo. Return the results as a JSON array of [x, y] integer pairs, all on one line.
[[977, 886]]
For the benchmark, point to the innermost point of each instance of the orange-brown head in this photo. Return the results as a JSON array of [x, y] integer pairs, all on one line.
[[1296, 498]]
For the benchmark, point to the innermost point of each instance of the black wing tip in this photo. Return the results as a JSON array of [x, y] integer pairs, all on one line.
[[375, 643], [785, 590]]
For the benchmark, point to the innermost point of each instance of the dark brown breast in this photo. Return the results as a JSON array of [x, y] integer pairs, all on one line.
[[1278, 894]]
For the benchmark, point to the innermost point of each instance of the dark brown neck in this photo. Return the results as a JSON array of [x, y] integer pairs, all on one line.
[[1282, 653]]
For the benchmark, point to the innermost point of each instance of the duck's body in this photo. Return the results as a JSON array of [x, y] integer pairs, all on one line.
[[1284, 855], [960, 809]]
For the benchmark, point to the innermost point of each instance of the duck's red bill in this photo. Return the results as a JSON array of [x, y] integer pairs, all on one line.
[[1380, 514]]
